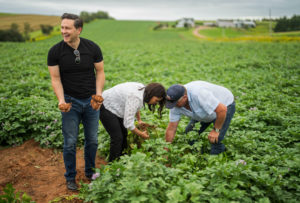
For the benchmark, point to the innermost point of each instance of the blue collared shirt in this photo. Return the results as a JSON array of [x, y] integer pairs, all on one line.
[[203, 97]]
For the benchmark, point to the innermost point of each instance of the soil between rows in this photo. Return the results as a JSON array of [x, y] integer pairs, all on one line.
[[39, 172]]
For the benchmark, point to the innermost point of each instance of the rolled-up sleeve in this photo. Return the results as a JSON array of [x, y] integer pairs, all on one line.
[[132, 105]]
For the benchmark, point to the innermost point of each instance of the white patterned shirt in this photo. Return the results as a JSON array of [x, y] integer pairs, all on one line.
[[125, 100]]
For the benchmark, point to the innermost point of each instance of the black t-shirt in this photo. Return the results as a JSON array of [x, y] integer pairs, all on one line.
[[78, 80]]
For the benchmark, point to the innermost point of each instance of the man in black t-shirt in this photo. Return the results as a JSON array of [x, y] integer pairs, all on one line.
[[77, 75]]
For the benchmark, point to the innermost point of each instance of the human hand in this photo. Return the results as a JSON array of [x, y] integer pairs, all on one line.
[[213, 137], [144, 135], [141, 123], [143, 126], [96, 101], [65, 107]]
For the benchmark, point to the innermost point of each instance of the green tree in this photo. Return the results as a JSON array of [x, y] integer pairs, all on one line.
[[46, 29], [14, 27], [12, 35], [101, 15], [295, 22], [85, 16], [284, 24], [27, 30]]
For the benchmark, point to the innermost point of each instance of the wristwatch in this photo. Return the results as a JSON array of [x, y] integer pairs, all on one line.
[[217, 130]]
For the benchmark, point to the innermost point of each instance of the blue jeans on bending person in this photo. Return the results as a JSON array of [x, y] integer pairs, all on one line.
[[81, 111], [218, 147]]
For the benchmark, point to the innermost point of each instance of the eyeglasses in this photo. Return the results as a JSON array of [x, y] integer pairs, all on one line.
[[77, 54]]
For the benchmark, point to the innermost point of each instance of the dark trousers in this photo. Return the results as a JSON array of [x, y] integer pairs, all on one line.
[[219, 147], [117, 132]]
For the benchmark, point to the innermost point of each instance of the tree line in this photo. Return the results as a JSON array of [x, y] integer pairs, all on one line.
[[14, 35], [285, 24], [88, 17]]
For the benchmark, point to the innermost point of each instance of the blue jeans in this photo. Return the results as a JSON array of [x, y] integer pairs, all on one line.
[[219, 147], [81, 111]]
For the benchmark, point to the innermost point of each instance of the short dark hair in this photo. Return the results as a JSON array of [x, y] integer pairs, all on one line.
[[158, 90], [78, 22]]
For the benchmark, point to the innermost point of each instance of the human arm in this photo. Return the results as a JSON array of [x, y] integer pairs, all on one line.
[[100, 77], [174, 118], [171, 131], [132, 106], [57, 87], [138, 116], [221, 111], [97, 99], [142, 134], [140, 122]]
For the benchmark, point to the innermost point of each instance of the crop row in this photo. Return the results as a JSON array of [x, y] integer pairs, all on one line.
[[262, 162]]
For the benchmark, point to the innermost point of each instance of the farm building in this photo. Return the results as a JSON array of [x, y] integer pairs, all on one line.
[[225, 23], [211, 24], [244, 24], [236, 23], [186, 22]]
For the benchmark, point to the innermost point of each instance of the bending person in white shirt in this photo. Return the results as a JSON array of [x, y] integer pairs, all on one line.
[[203, 102], [122, 103]]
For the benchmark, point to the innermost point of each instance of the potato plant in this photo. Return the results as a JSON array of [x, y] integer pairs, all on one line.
[[262, 162]]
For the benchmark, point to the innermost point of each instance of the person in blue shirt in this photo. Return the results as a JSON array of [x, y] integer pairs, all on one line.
[[203, 102]]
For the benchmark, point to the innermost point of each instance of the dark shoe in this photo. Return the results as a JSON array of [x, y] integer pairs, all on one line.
[[89, 177], [71, 185]]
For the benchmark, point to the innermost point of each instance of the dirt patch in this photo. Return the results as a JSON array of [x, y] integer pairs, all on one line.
[[39, 172], [197, 29]]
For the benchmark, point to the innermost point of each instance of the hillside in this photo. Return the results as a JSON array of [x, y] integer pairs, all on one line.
[[260, 33], [34, 20]]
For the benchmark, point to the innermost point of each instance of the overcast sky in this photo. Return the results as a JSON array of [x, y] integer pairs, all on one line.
[[158, 9]]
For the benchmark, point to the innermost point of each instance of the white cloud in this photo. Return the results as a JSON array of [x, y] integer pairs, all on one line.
[[157, 9]]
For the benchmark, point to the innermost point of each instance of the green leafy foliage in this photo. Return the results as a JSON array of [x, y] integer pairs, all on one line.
[[87, 17], [262, 162], [12, 34], [46, 29], [10, 196], [288, 24], [23, 118]]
